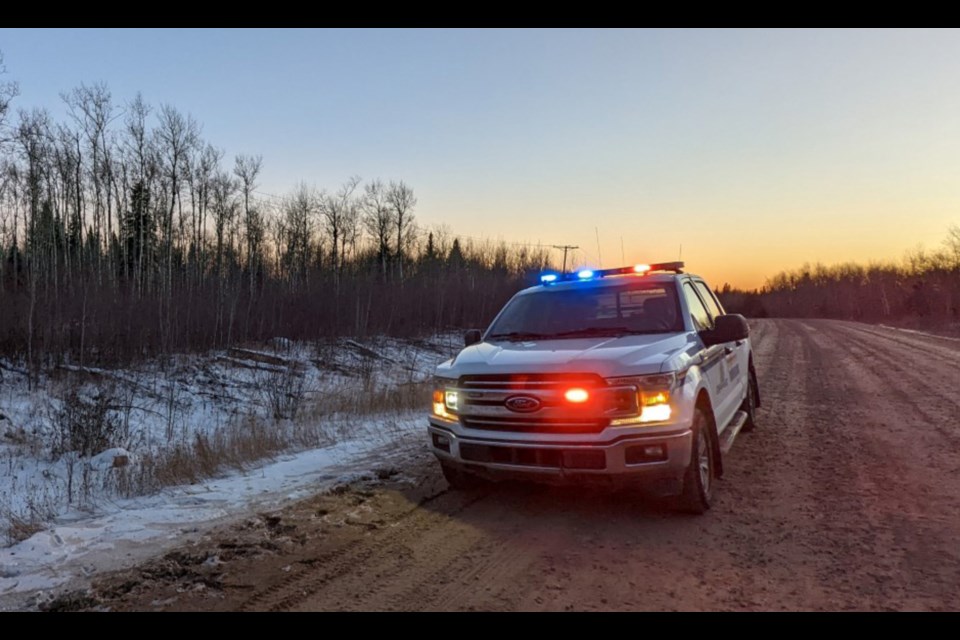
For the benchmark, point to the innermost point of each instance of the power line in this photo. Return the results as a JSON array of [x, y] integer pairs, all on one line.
[[599, 259], [565, 248]]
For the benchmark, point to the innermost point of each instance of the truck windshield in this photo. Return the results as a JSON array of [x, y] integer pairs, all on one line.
[[639, 307]]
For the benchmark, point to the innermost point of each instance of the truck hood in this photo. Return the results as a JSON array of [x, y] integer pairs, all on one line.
[[606, 357]]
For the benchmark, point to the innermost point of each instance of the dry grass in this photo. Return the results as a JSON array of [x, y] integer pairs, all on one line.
[[372, 398], [206, 455], [322, 422], [19, 527], [279, 414]]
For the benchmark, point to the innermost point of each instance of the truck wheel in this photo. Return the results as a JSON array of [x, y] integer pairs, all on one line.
[[750, 403], [698, 481], [460, 480]]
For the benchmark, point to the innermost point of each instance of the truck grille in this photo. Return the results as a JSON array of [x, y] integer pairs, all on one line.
[[483, 403], [534, 457]]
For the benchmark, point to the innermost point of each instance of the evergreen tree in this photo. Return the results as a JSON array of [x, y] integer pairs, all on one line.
[[139, 231]]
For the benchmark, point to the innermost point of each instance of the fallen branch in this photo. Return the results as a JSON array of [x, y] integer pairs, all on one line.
[[13, 369], [257, 366], [368, 352], [264, 358]]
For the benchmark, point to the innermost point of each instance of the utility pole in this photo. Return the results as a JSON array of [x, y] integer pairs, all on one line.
[[565, 247]]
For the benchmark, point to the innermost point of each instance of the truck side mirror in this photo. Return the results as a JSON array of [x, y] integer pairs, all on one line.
[[472, 336], [727, 328]]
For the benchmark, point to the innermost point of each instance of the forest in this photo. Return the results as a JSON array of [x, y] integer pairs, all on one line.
[[125, 234], [922, 291]]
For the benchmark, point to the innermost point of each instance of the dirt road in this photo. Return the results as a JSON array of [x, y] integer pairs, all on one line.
[[846, 497]]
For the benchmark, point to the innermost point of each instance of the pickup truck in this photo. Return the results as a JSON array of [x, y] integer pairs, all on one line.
[[632, 376]]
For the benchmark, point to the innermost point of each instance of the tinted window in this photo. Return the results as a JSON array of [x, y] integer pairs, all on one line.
[[634, 308], [701, 319], [712, 305]]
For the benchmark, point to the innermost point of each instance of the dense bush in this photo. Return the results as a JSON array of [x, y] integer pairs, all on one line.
[[924, 290]]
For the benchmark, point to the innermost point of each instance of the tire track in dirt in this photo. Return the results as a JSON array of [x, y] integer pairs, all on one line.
[[903, 487], [775, 478], [932, 345], [934, 384], [409, 572], [324, 569]]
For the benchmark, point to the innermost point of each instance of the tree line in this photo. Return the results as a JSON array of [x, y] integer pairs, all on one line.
[[924, 289], [125, 234]]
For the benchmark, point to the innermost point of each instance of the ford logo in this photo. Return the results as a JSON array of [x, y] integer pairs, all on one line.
[[522, 404]]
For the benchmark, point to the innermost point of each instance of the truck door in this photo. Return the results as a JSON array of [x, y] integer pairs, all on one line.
[[737, 353], [715, 363]]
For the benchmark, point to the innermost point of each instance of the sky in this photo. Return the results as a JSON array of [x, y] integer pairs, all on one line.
[[754, 150]]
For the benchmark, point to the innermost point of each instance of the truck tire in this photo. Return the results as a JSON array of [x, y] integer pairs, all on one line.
[[460, 480], [698, 481], [750, 403]]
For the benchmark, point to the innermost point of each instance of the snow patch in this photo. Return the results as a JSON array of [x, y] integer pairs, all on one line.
[[123, 532]]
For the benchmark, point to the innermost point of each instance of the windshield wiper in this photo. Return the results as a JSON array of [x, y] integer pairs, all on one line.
[[517, 335], [591, 331], [600, 331]]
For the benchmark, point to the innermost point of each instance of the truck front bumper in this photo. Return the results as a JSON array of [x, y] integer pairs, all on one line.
[[656, 462]]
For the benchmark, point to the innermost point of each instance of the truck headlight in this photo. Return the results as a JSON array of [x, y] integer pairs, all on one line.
[[653, 395], [450, 400], [444, 399]]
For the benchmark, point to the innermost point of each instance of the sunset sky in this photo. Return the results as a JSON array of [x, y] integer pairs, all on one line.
[[755, 150]]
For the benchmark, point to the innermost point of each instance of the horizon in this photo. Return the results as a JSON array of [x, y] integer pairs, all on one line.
[[756, 151]]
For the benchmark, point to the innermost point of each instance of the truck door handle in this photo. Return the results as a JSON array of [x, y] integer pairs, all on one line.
[[727, 351]]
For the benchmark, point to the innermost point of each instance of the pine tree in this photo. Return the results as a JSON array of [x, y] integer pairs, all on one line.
[[139, 232]]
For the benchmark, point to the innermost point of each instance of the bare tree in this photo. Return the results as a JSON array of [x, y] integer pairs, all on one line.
[[247, 169], [177, 135], [8, 91], [402, 201], [952, 243], [225, 205], [205, 174], [378, 220], [91, 108], [137, 142], [340, 219], [33, 139], [298, 213]]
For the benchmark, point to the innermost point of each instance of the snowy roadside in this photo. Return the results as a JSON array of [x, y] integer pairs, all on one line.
[[122, 533], [80, 435], [100, 468], [926, 334]]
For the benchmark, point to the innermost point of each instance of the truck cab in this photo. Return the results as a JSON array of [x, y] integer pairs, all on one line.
[[631, 376]]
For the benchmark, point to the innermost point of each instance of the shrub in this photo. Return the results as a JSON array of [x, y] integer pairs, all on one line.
[[86, 425]]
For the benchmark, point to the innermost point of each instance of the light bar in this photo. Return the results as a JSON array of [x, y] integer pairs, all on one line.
[[589, 274]]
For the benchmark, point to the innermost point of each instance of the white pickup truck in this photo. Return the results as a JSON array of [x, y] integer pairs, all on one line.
[[622, 376]]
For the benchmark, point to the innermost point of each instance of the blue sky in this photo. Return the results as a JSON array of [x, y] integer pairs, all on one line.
[[757, 150]]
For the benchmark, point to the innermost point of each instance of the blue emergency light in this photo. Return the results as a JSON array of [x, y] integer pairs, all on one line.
[[582, 275]]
